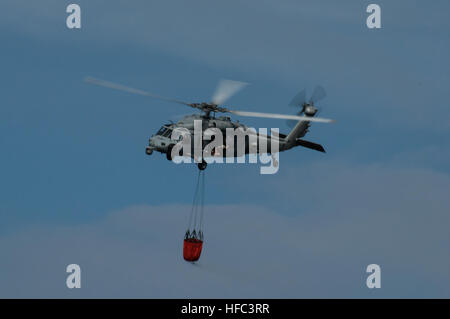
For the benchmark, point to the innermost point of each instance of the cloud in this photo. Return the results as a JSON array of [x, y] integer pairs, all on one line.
[[396, 218]]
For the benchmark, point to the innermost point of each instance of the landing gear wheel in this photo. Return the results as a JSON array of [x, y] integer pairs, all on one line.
[[202, 165], [148, 151]]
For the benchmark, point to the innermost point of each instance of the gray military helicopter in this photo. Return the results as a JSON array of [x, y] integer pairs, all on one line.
[[300, 122]]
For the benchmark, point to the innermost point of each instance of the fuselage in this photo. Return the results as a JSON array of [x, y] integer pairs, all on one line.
[[254, 141]]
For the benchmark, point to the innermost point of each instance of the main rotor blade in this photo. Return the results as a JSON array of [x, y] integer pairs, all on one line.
[[299, 99], [225, 89], [120, 87], [318, 94], [282, 116]]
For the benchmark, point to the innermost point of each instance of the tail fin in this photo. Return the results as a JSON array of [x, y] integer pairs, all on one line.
[[311, 145], [299, 130]]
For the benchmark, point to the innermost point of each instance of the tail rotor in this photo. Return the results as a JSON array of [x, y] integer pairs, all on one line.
[[306, 108]]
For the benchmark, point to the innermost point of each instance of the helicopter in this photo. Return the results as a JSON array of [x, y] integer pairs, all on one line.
[[163, 142]]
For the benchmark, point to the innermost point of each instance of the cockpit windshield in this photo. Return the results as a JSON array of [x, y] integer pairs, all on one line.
[[164, 131]]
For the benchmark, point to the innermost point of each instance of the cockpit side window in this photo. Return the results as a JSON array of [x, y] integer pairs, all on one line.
[[167, 133]]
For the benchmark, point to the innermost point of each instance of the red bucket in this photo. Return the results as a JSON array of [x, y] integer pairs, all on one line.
[[192, 248]]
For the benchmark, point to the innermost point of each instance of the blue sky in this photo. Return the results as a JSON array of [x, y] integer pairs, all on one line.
[[75, 180]]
